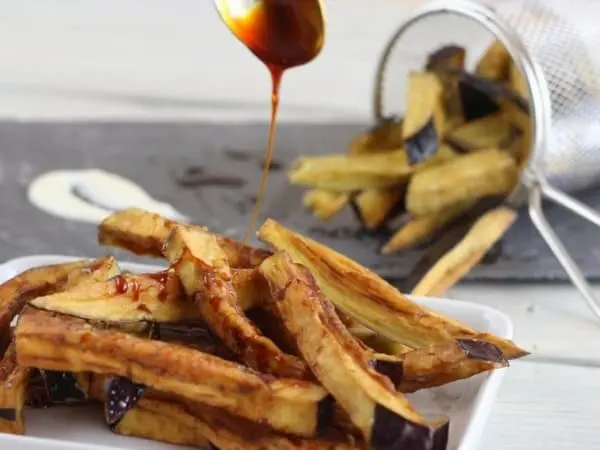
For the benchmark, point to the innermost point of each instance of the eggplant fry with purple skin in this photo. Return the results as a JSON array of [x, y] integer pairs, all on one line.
[[439, 364], [363, 295], [464, 178], [125, 298], [184, 422], [49, 341], [442, 63], [341, 364], [16, 292], [144, 233], [13, 393], [202, 268], [424, 122], [456, 263]]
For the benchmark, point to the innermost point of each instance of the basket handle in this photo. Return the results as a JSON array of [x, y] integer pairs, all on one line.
[[542, 187]]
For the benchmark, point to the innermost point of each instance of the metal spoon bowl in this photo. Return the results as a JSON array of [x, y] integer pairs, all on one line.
[[281, 33]]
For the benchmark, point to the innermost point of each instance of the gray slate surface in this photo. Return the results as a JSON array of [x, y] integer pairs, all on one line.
[[156, 156]]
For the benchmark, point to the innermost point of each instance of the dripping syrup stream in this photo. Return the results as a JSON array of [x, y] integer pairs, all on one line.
[[276, 75]]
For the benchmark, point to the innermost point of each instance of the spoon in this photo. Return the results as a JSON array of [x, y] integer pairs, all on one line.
[[281, 33]]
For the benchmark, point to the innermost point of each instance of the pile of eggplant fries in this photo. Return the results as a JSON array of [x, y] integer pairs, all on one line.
[[230, 346], [437, 178]]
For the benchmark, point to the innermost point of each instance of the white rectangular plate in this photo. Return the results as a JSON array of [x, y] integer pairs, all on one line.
[[467, 403]]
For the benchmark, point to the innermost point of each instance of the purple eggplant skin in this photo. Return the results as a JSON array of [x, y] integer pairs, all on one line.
[[480, 97], [447, 58], [394, 370], [121, 395], [422, 145], [325, 415], [50, 388], [477, 349], [62, 387], [8, 414], [393, 432]]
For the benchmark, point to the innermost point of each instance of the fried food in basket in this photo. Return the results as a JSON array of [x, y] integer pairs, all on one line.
[[465, 135], [202, 371], [466, 178]]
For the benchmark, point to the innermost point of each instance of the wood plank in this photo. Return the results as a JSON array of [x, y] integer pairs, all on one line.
[[550, 320], [545, 407]]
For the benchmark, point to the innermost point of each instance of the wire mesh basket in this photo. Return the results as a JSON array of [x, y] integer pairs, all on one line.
[[552, 43]]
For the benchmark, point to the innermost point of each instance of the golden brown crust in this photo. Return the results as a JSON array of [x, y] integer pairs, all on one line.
[[444, 363], [340, 363], [49, 341], [363, 295], [161, 421], [16, 292], [325, 204], [224, 430], [458, 261], [152, 297], [144, 233], [202, 268], [13, 390]]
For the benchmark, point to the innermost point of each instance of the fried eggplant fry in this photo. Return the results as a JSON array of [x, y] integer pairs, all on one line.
[[325, 204], [446, 58], [363, 295], [340, 363], [202, 268], [385, 136], [373, 206], [231, 433], [224, 430], [418, 229], [495, 62], [125, 298], [439, 364], [16, 292], [493, 131], [443, 62], [13, 393], [144, 233], [455, 264], [49, 341], [423, 124], [161, 421], [348, 174], [462, 179], [149, 417]]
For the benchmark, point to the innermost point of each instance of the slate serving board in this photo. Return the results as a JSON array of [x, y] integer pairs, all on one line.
[[223, 163]]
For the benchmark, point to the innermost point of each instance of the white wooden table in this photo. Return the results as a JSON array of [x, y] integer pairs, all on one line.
[[172, 59]]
